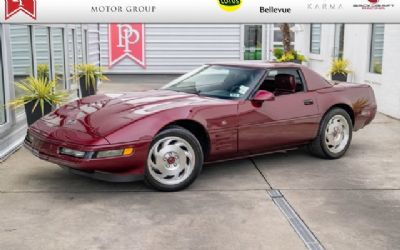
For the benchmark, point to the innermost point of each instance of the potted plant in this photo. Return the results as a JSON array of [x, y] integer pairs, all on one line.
[[339, 70], [43, 71], [38, 97], [377, 68], [88, 75], [292, 56], [278, 53]]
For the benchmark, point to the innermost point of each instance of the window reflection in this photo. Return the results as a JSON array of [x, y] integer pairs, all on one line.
[[21, 55], [253, 42], [57, 39], [377, 43], [42, 51], [71, 57]]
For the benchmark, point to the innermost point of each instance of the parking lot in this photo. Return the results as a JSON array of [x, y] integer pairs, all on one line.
[[350, 203]]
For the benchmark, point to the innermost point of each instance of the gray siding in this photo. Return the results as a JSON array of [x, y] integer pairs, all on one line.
[[93, 44], [21, 50], [176, 48]]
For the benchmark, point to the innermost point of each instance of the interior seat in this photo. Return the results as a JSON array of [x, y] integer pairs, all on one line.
[[284, 84]]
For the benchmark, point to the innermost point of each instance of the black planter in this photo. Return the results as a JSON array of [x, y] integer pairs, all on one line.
[[339, 77], [32, 117], [91, 90], [296, 61]]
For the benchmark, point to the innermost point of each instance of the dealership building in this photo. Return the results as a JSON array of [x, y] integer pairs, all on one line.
[[178, 48]]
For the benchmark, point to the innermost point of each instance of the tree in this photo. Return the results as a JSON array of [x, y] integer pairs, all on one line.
[[285, 29]]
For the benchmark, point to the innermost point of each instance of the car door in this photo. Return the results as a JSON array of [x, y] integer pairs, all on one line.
[[289, 119]]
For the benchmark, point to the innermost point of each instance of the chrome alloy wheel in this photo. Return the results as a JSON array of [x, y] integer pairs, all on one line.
[[337, 134], [171, 160]]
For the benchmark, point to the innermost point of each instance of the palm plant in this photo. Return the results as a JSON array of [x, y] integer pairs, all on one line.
[[292, 56], [339, 66], [43, 71], [90, 74], [339, 69], [37, 92], [285, 29]]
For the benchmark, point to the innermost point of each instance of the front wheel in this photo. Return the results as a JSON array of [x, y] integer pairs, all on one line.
[[334, 135], [174, 160]]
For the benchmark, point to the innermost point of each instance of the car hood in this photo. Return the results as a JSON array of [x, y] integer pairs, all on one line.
[[101, 115]]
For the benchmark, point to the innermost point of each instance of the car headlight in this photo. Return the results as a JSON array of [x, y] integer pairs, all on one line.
[[114, 153], [72, 152]]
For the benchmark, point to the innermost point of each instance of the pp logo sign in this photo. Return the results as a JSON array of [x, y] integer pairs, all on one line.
[[15, 6], [126, 41], [230, 5]]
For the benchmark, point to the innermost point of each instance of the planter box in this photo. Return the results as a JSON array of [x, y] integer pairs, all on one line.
[[87, 91], [339, 77], [297, 61], [32, 117]]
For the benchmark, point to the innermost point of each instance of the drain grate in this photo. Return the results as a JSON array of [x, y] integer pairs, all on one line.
[[298, 225]]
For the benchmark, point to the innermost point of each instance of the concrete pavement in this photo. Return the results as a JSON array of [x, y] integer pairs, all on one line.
[[350, 203]]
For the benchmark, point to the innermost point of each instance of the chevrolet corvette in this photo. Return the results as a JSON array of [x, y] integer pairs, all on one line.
[[217, 112]]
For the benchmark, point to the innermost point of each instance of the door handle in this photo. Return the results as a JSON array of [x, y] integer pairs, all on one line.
[[308, 102]]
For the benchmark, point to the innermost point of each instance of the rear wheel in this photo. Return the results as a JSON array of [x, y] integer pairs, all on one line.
[[334, 135], [174, 161]]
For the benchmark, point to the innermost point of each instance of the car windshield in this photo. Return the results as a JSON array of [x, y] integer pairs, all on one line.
[[226, 82]]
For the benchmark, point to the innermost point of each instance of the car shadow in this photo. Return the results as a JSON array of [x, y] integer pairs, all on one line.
[[230, 175]]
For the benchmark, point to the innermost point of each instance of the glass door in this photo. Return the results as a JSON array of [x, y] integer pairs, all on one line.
[[339, 41], [253, 42]]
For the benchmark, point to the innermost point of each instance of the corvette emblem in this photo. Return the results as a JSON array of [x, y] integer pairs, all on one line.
[[15, 6]]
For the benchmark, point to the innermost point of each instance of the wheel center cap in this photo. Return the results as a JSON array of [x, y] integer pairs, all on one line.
[[171, 160], [336, 131]]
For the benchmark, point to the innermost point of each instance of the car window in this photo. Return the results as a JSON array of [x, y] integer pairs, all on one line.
[[227, 82], [269, 81]]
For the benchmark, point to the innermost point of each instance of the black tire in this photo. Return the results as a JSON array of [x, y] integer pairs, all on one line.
[[176, 131], [319, 147]]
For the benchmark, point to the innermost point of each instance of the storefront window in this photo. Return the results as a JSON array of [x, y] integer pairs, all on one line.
[[315, 39], [42, 49], [278, 37], [377, 42], [339, 40], [57, 39], [21, 55], [253, 42]]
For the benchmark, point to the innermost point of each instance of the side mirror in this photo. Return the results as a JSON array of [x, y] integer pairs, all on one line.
[[262, 96]]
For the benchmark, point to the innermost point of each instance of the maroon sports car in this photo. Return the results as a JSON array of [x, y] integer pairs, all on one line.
[[216, 112]]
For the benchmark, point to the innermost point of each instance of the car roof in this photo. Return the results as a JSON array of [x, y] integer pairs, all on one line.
[[263, 65]]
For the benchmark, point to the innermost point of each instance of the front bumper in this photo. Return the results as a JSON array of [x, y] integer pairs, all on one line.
[[120, 166], [104, 176]]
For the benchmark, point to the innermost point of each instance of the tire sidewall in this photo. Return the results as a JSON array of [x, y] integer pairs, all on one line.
[[194, 143], [326, 119]]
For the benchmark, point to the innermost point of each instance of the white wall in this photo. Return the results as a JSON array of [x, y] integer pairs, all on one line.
[[357, 42]]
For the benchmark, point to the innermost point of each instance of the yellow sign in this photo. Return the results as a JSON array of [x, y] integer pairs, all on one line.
[[229, 5]]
